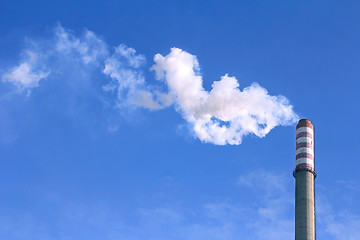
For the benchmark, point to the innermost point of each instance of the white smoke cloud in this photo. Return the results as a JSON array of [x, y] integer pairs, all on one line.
[[225, 114], [221, 116]]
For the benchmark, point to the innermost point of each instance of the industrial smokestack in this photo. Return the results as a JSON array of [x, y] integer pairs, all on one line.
[[305, 175]]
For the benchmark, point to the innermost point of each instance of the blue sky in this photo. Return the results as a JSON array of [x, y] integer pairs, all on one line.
[[123, 120]]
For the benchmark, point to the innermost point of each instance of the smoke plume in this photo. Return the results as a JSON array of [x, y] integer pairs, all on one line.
[[223, 115]]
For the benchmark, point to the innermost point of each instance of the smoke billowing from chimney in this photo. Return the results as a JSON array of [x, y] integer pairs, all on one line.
[[223, 115]]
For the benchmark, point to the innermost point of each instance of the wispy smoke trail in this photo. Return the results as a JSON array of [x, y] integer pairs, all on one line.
[[28, 73], [221, 116]]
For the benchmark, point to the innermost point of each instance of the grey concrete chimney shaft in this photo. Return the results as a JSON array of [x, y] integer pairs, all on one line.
[[305, 174]]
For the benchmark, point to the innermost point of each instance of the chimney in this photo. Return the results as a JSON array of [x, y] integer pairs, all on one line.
[[305, 175]]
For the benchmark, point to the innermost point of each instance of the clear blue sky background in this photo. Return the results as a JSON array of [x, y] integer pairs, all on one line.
[[64, 175]]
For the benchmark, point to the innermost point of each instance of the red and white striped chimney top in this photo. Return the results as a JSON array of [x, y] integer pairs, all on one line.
[[305, 145]]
